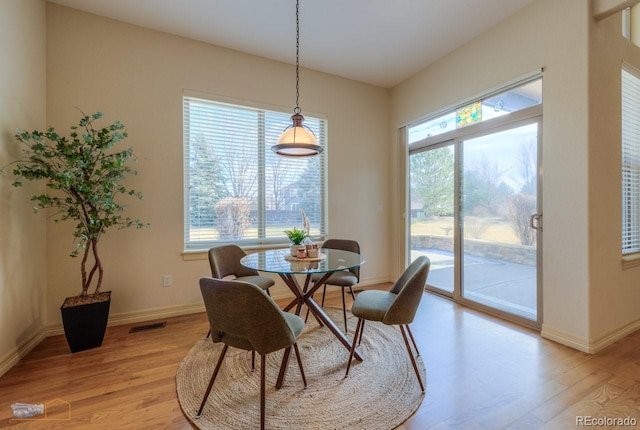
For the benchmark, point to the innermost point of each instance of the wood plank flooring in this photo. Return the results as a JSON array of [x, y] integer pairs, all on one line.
[[482, 373]]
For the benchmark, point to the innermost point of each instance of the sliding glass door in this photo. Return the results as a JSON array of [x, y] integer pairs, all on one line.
[[474, 211], [499, 219]]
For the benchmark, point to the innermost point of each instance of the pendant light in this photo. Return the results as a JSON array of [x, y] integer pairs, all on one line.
[[297, 140]]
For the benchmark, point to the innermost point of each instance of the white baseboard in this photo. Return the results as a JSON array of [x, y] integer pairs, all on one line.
[[568, 339], [139, 316], [12, 357], [375, 281], [583, 344], [614, 336]]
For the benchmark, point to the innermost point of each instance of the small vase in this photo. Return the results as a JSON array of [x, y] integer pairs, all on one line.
[[312, 250], [294, 249]]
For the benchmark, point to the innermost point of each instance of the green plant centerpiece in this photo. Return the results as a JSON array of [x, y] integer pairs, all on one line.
[[297, 238], [83, 175]]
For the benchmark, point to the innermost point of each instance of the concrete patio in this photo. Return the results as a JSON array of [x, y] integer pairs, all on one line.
[[507, 286]]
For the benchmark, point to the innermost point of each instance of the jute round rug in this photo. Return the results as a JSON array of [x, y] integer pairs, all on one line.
[[381, 392]]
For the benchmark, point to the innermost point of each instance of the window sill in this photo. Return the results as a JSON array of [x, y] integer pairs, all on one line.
[[195, 255], [631, 260], [203, 254]]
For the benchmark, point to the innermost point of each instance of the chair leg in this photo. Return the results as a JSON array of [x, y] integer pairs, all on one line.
[[413, 340], [304, 379], [344, 311], [253, 360], [208, 334], [361, 331], [213, 379], [353, 345], [262, 389], [413, 360], [283, 368], [353, 296]]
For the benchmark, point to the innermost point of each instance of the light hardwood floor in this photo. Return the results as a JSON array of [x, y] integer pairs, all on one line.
[[482, 373]]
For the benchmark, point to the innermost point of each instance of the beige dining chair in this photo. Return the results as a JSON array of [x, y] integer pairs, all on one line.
[[397, 306], [242, 315], [344, 278]]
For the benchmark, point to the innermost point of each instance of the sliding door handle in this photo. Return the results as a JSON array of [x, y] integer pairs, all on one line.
[[536, 222]]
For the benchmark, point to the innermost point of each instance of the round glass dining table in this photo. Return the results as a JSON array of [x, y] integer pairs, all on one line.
[[280, 261], [287, 267]]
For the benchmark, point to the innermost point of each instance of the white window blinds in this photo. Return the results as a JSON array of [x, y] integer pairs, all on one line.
[[236, 189], [630, 162]]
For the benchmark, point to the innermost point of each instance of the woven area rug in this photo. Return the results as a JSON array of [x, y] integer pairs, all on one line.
[[381, 392]]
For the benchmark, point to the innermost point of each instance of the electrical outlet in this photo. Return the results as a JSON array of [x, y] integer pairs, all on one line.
[[166, 281]]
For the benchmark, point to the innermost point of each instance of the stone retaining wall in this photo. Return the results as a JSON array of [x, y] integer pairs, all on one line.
[[510, 252]]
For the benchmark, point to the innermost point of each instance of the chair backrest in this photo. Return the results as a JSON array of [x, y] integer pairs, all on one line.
[[345, 245], [242, 315], [409, 289], [225, 260]]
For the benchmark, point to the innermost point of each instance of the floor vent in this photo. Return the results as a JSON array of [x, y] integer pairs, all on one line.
[[147, 327]]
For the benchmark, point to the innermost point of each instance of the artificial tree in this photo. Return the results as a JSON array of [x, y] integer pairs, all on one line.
[[83, 175]]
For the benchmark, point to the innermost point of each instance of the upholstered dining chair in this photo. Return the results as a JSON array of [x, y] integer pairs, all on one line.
[[343, 279], [397, 306], [241, 315], [225, 262]]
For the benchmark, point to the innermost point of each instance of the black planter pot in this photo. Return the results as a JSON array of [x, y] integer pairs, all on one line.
[[85, 324]]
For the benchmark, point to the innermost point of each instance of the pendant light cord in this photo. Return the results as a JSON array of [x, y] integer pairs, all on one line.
[[297, 140], [297, 110]]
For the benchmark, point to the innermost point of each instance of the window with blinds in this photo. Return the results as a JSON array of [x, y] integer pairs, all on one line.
[[630, 161], [236, 189]]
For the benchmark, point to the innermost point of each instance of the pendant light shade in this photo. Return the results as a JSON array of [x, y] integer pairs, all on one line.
[[297, 140]]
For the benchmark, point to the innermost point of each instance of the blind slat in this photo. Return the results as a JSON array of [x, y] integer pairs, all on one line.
[[630, 163]]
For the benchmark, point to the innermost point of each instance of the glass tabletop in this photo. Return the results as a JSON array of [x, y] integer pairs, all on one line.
[[280, 261]]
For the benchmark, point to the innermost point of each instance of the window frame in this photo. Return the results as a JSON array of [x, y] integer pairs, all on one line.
[[261, 242], [452, 111], [630, 171]]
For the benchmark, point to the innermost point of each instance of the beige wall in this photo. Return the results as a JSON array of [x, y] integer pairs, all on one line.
[[552, 35], [22, 234], [614, 291], [138, 76]]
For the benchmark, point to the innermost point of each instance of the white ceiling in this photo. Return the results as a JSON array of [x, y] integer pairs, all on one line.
[[381, 42]]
